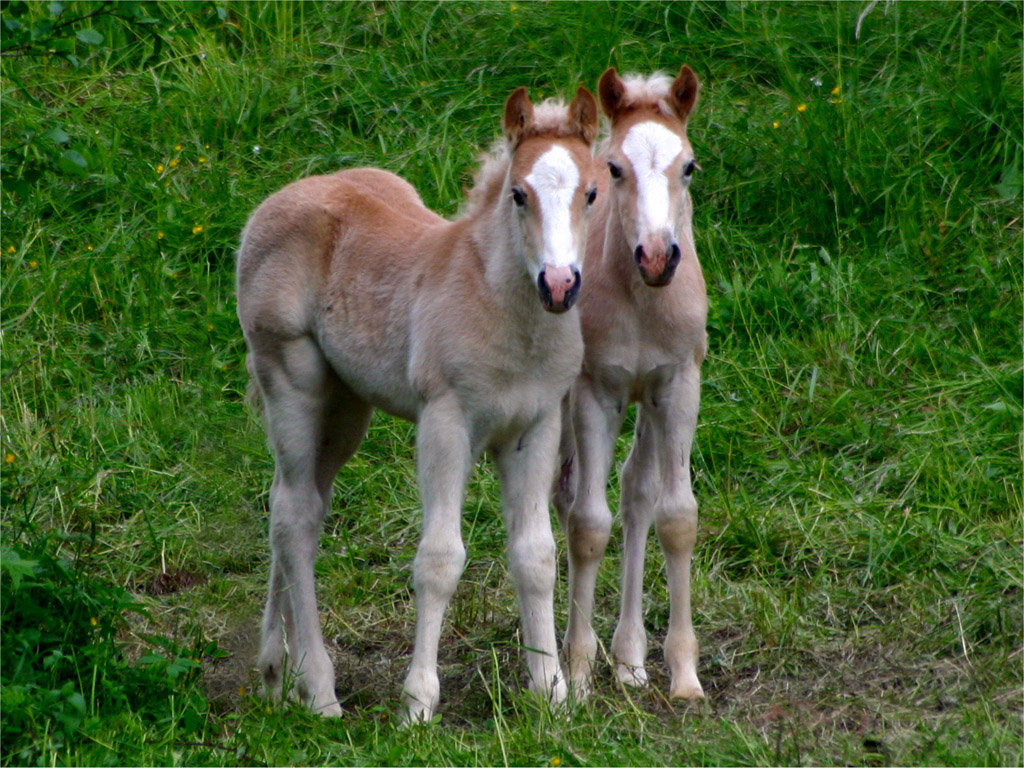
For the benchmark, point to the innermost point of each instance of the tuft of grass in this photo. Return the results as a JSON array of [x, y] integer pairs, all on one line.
[[857, 584]]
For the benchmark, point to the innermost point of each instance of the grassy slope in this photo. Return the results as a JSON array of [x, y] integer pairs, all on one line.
[[858, 583]]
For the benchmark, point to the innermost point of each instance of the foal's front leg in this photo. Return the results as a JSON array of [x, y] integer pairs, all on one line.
[[656, 486], [597, 416], [526, 466], [443, 460]]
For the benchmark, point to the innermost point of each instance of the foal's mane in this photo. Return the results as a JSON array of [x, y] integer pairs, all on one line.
[[550, 118]]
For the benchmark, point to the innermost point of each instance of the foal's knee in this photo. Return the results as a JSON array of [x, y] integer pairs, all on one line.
[[588, 531], [438, 566], [532, 559], [677, 524]]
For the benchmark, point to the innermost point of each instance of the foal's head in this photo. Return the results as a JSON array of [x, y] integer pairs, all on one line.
[[651, 163], [552, 182]]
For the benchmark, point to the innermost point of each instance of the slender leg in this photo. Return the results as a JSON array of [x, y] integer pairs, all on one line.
[[676, 522], [313, 428], [640, 489], [656, 486], [563, 490], [525, 466], [597, 418], [444, 458]]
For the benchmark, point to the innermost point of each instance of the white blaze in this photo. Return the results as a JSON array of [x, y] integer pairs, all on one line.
[[651, 148], [554, 178]]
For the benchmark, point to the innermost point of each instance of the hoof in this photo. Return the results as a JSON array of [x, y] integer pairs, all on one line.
[[634, 677], [690, 691]]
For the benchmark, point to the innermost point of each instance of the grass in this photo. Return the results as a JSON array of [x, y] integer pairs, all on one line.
[[858, 581]]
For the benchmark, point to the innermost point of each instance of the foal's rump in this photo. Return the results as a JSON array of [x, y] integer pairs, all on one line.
[[334, 258]]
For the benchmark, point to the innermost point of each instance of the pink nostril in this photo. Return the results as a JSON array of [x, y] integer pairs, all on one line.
[[559, 280], [559, 287]]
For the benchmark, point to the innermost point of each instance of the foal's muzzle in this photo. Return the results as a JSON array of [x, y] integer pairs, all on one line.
[[657, 263], [559, 287]]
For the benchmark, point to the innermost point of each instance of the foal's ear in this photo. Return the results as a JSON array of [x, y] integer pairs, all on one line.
[[684, 92], [518, 116], [611, 89], [583, 115]]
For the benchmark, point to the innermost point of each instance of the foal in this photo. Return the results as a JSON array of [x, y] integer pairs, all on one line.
[[643, 315], [353, 296]]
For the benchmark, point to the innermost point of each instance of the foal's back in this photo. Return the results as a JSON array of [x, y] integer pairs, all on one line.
[[337, 258]]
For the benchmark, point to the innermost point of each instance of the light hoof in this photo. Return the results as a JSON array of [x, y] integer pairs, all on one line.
[[328, 710], [687, 691], [580, 688], [634, 677], [414, 714]]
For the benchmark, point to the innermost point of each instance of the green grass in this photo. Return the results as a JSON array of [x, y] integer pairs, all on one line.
[[858, 582]]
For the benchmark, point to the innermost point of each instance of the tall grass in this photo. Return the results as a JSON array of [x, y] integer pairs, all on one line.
[[858, 581]]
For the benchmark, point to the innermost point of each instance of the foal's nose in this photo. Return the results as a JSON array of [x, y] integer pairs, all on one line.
[[657, 261], [559, 287]]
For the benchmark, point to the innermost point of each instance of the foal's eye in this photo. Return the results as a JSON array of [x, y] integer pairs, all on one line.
[[614, 170], [518, 196], [689, 168], [591, 196]]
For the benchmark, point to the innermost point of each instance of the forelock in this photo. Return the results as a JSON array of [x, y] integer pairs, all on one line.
[[652, 91], [551, 118]]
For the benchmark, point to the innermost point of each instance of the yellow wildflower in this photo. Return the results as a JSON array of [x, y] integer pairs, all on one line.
[[197, 228], [11, 249], [173, 163], [775, 123], [177, 147], [33, 264], [241, 691], [835, 91], [209, 326], [94, 621], [88, 247], [160, 235], [801, 107], [9, 458], [556, 761], [202, 159], [160, 168]]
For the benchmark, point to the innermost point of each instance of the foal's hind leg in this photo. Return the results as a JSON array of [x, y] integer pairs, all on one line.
[[315, 424]]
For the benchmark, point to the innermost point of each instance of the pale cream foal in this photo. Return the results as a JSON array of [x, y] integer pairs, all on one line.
[[353, 296], [643, 312]]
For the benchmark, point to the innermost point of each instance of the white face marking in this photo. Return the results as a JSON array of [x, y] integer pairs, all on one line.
[[554, 178], [651, 148]]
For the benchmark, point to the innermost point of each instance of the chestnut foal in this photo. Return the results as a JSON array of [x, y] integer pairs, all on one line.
[[352, 295], [643, 314]]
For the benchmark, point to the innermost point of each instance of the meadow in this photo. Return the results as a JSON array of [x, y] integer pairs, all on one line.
[[858, 577]]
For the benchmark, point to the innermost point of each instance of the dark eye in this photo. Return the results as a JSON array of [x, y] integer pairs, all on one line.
[[614, 170], [518, 196], [591, 196], [689, 168]]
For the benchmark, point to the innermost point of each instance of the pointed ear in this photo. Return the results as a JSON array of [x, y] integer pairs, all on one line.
[[684, 92], [518, 116], [583, 115], [611, 90]]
